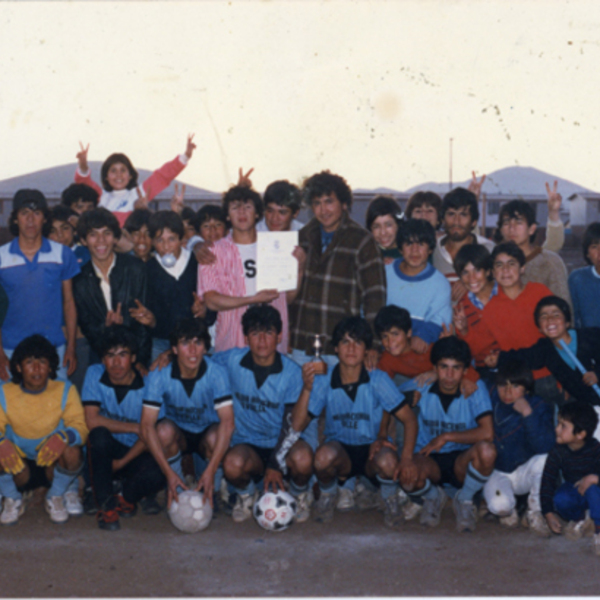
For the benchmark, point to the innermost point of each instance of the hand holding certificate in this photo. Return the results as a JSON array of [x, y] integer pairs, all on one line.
[[275, 265]]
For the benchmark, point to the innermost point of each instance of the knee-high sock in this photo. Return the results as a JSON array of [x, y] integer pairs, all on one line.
[[61, 481], [8, 488], [474, 481]]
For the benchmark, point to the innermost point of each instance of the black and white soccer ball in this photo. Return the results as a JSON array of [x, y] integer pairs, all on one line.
[[275, 511], [192, 513]]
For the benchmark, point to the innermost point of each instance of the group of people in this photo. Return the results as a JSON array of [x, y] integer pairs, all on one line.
[[138, 355]]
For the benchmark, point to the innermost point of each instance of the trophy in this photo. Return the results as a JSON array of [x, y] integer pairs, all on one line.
[[321, 368]]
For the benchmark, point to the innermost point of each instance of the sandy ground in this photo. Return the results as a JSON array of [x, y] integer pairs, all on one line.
[[354, 555]]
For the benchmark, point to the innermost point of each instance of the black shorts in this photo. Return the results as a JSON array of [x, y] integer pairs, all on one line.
[[37, 477], [193, 441], [359, 456], [263, 453], [445, 461]]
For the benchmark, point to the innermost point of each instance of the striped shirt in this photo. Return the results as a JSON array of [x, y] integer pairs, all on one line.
[[226, 276]]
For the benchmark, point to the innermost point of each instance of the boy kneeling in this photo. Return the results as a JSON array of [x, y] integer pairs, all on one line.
[[41, 421], [455, 437], [576, 457]]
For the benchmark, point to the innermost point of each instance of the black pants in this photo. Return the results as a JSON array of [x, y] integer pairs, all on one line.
[[141, 477]]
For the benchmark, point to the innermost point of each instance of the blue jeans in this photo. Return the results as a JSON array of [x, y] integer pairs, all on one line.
[[571, 505]]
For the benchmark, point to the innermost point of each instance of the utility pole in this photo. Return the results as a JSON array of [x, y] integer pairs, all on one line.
[[450, 184]]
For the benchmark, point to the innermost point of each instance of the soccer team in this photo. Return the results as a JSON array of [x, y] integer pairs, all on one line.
[[138, 355]]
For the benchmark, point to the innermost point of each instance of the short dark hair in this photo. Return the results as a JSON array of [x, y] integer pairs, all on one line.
[[356, 327], [419, 199], [117, 336], [513, 210], [261, 317], [561, 304], [591, 236], [97, 219], [509, 248], [13, 226], [188, 329], [137, 219], [113, 159], [459, 197], [416, 231], [283, 193], [451, 347], [381, 206], [60, 212], [188, 214], [208, 212], [582, 415], [34, 346], [476, 254], [79, 191], [325, 183], [165, 219], [392, 316], [244, 194], [517, 373]]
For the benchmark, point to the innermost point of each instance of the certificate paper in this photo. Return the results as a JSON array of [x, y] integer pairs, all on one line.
[[276, 268]]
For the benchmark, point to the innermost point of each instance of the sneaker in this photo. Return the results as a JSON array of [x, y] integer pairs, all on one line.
[[55, 507], [12, 510], [304, 501], [511, 521], [223, 506], [364, 498], [125, 509], [89, 504], [150, 505], [243, 507], [410, 509], [537, 524], [466, 514], [575, 530], [596, 543], [108, 520], [345, 500], [392, 513], [432, 509], [73, 504], [325, 506]]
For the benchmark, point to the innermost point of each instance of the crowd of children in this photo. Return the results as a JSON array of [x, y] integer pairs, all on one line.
[[138, 355]]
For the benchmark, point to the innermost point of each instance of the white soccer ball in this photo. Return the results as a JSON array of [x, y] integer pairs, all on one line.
[[275, 511], [192, 513]]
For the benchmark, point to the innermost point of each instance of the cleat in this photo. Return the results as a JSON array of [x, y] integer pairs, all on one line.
[[325, 506], [73, 504], [125, 509], [243, 507], [345, 500], [537, 524], [466, 515], [304, 501], [150, 505], [55, 507], [575, 530], [392, 513], [510, 521], [13, 509], [108, 520], [432, 509], [364, 498]]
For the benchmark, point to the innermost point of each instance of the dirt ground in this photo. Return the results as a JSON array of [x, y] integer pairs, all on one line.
[[354, 555]]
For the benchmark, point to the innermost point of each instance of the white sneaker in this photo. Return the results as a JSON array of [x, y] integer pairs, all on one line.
[[304, 502], [55, 507], [243, 507], [510, 521], [73, 504], [575, 530], [12, 510], [364, 498], [345, 500], [411, 510], [537, 524]]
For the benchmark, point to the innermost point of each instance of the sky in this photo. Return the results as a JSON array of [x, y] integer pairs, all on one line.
[[372, 90]]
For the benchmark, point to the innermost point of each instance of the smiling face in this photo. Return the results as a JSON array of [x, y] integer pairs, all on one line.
[[516, 229], [427, 213], [351, 352], [396, 341], [474, 279], [142, 243], [458, 223], [100, 243], [189, 355], [279, 218], [118, 363], [62, 233], [118, 176], [328, 210], [449, 373], [167, 242], [35, 373], [552, 323], [564, 433], [242, 215], [507, 271], [384, 230], [263, 346]]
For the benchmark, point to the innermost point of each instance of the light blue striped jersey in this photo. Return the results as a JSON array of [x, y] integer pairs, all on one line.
[[99, 391], [354, 422], [194, 412], [259, 411], [462, 414]]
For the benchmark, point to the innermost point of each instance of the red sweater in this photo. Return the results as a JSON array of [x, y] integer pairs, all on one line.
[[474, 315]]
